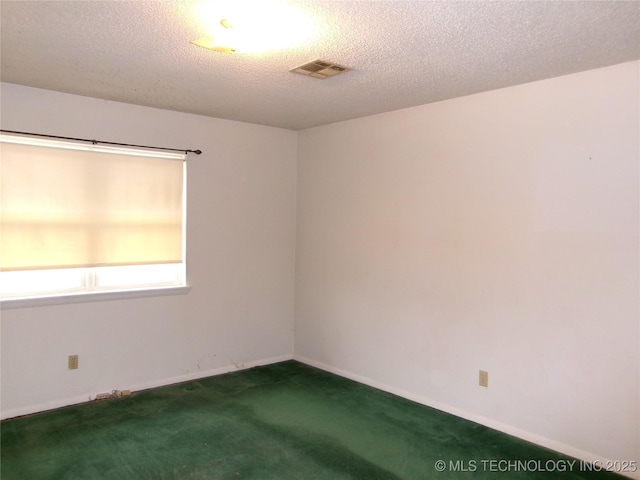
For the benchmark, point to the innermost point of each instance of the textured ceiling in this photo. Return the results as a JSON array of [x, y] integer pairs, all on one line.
[[403, 53]]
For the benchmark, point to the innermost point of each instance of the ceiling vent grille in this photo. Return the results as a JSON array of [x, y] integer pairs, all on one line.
[[320, 69]]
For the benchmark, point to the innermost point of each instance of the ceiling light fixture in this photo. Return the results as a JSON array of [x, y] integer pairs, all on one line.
[[266, 26], [221, 42]]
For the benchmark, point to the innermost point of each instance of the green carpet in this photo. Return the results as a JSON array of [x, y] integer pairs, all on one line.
[[279, 422]]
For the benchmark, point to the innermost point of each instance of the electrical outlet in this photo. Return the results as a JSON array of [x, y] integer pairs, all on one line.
[[483, 378], [73, 362]]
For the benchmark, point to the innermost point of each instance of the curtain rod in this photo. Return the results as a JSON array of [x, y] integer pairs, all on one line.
[[95, 142]]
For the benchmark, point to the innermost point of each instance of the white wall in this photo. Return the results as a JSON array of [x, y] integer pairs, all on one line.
[[497, 231], [241, 252]]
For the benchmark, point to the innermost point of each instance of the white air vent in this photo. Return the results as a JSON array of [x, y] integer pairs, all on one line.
[[320, 69]]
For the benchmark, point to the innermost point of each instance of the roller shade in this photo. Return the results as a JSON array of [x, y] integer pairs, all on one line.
[[66, 205]]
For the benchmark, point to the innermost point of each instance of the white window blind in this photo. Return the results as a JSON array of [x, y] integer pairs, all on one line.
[[69, 205]]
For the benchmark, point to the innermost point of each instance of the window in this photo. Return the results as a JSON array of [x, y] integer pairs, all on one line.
[[78, 218]]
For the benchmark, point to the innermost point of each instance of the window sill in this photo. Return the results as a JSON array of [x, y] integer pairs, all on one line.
[[85, 297]]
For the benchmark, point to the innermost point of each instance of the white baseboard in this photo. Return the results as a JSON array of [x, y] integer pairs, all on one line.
[[208, 373], [563, 448], [65, 402], [43, 407]]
